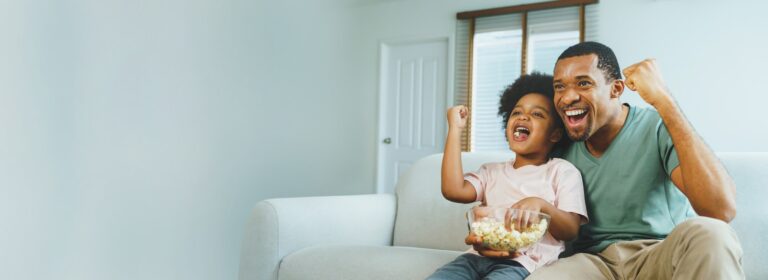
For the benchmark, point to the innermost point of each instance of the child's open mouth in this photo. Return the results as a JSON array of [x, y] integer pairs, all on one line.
[[521, 133], [576, 117]]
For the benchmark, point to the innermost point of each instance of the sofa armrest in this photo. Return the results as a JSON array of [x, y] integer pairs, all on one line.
[[279, 227]]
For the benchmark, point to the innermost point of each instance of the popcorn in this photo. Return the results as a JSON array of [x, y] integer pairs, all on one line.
[[495, 236]]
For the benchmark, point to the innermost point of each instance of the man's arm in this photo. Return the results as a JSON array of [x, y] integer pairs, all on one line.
[[700, 176]]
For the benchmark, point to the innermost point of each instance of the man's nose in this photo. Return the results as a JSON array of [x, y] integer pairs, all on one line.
[[569, 97]]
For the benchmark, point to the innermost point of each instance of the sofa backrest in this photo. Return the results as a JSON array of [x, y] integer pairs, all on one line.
[[426, 219], [750, 172]]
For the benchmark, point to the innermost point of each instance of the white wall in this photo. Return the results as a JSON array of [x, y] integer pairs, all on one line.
[[137, 135]]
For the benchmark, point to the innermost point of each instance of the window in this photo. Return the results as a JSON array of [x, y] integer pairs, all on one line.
[[496, 57], [494, 48]]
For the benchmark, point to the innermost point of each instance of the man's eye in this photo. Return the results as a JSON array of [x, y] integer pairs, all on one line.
[[559, 87], [584, 83]]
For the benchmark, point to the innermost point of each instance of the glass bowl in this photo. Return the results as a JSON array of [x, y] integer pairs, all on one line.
[[507, 229]]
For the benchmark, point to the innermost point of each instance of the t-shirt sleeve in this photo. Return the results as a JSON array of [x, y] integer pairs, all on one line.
[[666, 149], [479, 179], [569, 195]]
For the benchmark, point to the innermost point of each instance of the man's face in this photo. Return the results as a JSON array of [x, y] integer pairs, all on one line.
[[582, 95]]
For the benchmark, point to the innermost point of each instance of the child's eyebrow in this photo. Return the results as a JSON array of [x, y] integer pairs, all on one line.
[[542, 108]]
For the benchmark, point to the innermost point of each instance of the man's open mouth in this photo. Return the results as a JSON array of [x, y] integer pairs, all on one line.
[[575, 117], [521, 133]]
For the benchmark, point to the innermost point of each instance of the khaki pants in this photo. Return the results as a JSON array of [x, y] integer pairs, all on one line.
[[699, 248]]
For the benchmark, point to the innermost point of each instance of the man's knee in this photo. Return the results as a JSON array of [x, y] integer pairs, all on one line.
[[709, 233]]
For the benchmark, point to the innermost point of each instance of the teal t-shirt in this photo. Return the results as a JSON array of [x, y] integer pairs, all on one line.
[[628, 190]]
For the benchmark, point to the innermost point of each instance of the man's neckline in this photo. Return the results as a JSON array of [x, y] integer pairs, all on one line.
[[630, 116]]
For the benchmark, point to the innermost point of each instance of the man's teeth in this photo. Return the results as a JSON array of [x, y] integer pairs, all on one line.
[[576, 112]]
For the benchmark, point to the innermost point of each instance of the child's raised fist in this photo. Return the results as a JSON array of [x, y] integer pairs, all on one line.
[[457, 117]]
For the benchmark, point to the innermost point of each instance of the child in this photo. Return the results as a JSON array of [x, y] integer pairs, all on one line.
[[533, 180]]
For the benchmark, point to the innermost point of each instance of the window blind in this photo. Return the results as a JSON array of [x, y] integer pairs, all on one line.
[[497, 56], [550, 32]]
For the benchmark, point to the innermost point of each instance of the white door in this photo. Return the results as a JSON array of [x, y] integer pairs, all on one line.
[[413, 88]]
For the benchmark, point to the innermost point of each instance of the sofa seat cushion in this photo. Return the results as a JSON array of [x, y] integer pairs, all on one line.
[[339, 262]]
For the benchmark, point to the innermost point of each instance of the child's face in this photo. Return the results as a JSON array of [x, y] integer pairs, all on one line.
[[531, 126]]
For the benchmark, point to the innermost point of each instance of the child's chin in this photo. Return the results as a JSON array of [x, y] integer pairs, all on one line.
[[518, 148]]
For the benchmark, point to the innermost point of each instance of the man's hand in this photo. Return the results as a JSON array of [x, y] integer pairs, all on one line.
[[645, 78], [527, 219], [457, 117], [477, 244]]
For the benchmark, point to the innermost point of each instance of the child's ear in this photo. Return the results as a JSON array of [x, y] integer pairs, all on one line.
[[556, 135]]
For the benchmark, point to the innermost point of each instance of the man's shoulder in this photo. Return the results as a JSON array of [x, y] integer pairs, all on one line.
[[645, 116], [648, 121]]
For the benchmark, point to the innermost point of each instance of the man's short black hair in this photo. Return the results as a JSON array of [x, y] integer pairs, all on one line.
[[606, 60], [538, 83]]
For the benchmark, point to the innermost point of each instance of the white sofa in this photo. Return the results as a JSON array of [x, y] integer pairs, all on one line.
[[412, 233]]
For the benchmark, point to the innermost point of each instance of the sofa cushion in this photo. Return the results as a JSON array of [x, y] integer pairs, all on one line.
[[340, 262]]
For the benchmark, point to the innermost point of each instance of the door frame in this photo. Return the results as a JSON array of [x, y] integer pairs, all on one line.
[[384, 46]]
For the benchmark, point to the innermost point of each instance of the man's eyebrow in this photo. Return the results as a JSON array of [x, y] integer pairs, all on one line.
[[580, 77]]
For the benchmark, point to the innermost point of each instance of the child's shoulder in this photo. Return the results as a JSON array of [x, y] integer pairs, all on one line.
[[496, 165], [560, 165]]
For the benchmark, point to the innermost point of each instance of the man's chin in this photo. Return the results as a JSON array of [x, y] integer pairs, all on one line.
[[578, 136]]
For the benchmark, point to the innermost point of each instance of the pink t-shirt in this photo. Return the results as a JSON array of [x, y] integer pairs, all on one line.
[[557, 181]]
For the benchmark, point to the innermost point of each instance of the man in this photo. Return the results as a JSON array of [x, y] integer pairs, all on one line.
[[645, 172]]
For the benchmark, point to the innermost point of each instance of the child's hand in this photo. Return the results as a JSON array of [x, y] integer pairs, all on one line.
[[457, 117], [477, 244], [531, 204]]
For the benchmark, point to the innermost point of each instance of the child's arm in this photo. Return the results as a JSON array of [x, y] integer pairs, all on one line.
[[563, 225], [454, 187]]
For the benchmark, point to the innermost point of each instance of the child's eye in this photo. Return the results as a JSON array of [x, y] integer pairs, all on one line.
[[538, 114], [515, 113]]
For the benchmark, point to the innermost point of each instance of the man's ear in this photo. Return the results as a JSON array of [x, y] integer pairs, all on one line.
[[556, 135], [617, 88]]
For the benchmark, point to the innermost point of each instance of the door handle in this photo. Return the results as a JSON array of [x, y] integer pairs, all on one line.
[[387, 141]]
